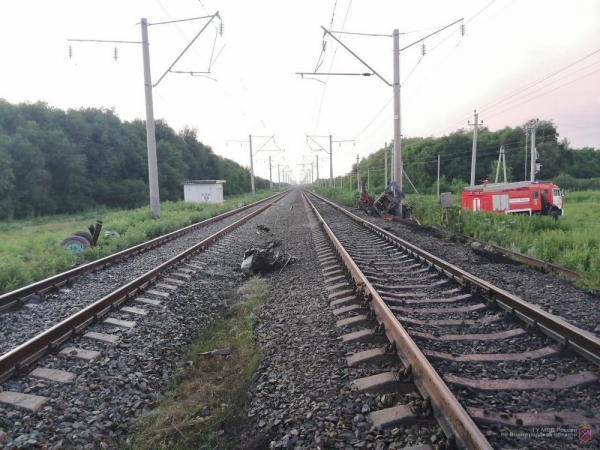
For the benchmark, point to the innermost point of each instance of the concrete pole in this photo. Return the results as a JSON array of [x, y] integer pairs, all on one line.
[[474, 153], [368, 178], [533, 149], [150, 131], [504, 163], [438, 184], [498, 165], [526, 136], [397, 161], [357, 175], [251, 166], [270, 175], [278, 178], [331, 184], [385, 165]]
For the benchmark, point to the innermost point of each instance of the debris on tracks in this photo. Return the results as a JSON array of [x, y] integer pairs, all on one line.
[[219, 352], [265, 259]]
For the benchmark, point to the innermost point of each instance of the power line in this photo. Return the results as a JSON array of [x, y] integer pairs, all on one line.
[[539, 80], [517, 91], [551, 90], [330, 67], [177, 26], [482, 10], [376, 116], [362, 34], [324, 43], [206, 11]]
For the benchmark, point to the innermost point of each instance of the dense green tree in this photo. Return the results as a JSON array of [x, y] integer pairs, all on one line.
[[420, 158], [54, 161]]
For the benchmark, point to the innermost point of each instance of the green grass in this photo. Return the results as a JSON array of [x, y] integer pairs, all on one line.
[[218, 383], [30, 251], [341, 196], [572, 242]]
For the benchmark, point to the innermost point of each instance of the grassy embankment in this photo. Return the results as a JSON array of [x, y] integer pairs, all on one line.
[[29, 249], [206, 397], [572, 242]]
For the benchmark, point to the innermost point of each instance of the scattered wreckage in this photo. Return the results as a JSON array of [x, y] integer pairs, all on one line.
[[388, 203], [264, 259]]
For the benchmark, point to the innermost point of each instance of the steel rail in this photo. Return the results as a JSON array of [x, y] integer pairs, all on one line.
[[448, 411], [25, 354], [21, 295], [516, 256], [581, 341]]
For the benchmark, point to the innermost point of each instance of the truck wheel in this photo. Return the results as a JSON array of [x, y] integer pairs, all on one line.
[[75, 244], [86, 235], [554, 215]]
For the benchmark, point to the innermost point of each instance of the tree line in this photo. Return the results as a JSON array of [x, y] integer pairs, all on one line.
[[559, 160], [54, 161]]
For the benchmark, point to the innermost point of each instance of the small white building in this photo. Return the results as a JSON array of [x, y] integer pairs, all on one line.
[[203, 191]]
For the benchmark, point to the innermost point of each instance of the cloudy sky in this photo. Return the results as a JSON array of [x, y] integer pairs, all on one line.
[[509, 45]]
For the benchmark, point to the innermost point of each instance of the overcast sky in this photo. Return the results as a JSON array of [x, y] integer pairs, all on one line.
[[508, 45]]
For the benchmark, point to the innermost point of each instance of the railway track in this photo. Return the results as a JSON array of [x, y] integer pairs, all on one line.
[[40, 289], [66, 349], [32, 309], [493, 370]]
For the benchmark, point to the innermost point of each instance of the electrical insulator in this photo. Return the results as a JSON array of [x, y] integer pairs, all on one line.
[[116, 53], [462, 29], [423, 49], [324, 45], [221, 29], [70, 52]]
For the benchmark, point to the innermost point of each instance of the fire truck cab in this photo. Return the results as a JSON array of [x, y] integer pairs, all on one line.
[[524, 197]]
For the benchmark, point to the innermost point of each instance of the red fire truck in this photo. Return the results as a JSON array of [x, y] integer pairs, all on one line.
[[524, 197]]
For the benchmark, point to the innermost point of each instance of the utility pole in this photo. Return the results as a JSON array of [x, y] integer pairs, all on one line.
[[385, 165], [148, 86], [397, 119], [501, 160], [329, 152], [357, 175], [278, 178], [397, 159], [150, 130], [438, 183], [474, 153], [270, 174], [251, 166], [526, 136], [252, 153], [368, 178], [331, 184], [317, 156], [533, 152]]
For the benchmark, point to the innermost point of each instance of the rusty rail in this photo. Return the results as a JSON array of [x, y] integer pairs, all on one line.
[[25, 354], [451, 415], [581, 341], [21, 295]]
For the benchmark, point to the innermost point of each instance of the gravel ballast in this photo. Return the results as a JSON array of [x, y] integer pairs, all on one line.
[[97, 409], [302, 395], [506, 402], [555, 295]]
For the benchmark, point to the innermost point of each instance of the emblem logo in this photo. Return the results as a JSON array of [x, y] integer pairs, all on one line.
[[585, 432]]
